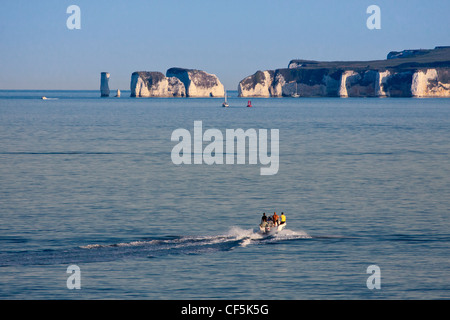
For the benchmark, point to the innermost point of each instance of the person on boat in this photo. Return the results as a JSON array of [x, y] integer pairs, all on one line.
[[270, 221], [275, 219], [264, 218], [283, 218], [264, 223]]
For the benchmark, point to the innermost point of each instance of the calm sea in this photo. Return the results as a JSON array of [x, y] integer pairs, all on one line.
[[89, 181]]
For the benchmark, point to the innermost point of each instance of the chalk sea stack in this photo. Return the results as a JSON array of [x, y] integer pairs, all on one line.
[[155, 84], [104, 84], [178, 82], [408, 73], [198, 83]]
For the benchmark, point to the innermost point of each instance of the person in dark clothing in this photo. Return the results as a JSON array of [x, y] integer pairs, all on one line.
[[264, 218]]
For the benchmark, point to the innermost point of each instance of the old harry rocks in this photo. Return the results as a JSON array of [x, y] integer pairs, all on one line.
[[178, 82]]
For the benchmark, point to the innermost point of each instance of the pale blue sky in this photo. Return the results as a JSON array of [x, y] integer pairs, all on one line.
[[231, 39]]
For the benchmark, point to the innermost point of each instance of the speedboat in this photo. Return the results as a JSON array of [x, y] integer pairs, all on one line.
[[271, 229]]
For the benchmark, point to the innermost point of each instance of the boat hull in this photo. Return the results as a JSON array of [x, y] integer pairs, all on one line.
[[272, 230]]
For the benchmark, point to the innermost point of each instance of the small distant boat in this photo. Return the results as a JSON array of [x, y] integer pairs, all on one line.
[[225, 103], [44, 98], [118, 93]]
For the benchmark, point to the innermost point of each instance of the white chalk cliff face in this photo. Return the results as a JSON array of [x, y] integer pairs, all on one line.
[[198, 83], [155, 84], [410, 73], [104, 84], [286, 83], [278, 84], [426, 83], [347, 78], [381, 83], [256, 85], [432, 82]]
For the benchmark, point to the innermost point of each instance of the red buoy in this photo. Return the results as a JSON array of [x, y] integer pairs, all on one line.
[[249, 104]]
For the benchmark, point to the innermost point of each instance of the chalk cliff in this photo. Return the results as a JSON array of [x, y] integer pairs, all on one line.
[[104, 84], [177, 82], [155, 84], [198, 83], [431, 83], [257, 85], [409, 73]]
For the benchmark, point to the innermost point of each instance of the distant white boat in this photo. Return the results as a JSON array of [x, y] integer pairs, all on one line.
[[118, 93], [225, 103]]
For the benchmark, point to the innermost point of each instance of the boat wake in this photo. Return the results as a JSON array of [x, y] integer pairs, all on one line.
[[234, 238], [253, 236]]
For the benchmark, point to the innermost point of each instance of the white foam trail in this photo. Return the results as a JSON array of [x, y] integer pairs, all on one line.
[[248, 236], [246, 242], [239, 233], [91, 246], [292, 234], [122, 244]]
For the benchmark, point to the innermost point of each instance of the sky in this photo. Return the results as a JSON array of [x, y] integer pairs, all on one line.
[[231, 39]]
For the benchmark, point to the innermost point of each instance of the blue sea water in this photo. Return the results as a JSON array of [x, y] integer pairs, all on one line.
[[89, 181]]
